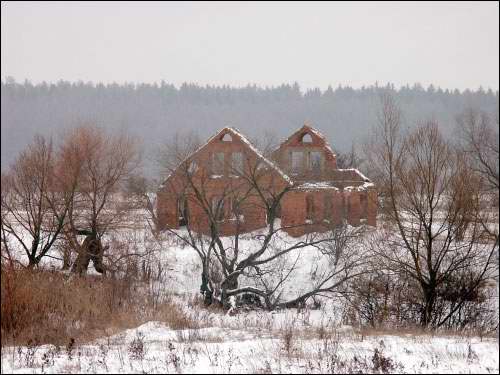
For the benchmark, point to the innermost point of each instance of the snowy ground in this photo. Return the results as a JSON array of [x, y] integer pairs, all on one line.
[[307, 341], [154, 348]]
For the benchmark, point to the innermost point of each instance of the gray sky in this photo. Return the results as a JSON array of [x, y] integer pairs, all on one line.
[[452, 45]]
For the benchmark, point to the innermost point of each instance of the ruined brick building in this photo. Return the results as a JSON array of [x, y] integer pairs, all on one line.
[[214, 178]]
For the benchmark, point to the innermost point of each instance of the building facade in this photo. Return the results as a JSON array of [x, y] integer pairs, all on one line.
[[228, 179]]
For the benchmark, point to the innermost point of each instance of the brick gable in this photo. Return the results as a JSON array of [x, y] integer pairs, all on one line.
[[304, 162]]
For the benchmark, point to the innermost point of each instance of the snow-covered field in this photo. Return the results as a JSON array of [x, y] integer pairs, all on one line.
[[155, 348], [256, 341]]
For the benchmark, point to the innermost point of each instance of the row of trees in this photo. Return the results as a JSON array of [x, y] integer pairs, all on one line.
[[437, 236], [155, 112], [440, 204]]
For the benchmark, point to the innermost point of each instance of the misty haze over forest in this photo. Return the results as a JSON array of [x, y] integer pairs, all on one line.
[[155, 112]]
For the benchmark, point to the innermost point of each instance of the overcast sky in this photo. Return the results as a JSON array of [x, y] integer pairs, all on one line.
[[452, 45]]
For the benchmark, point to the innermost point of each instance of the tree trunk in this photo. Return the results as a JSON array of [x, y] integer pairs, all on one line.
[[81, 263], [205, 289], [91, 249], [66, 257], [230, 283], [32, 262], [430, 297]]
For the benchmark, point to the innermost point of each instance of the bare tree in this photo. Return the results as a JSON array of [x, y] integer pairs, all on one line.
[[479, 135], [340, 256], [432, 212], [262, 265], [139, 194], [175, 150], [101, 162], [34, 201], [6, 256], [350, 159], [479, 141]]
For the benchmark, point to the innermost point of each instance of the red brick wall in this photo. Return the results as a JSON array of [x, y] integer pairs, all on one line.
[[372, 206], [353, 208], [345, 204], [253, 211], [293, 212], [295, 143], [167, 211]]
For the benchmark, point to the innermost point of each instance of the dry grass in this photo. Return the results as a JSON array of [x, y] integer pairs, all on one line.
[[418, 331], [42, 307], [173, 315]]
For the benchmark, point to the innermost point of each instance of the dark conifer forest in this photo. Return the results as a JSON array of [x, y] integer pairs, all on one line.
[[155, 112]]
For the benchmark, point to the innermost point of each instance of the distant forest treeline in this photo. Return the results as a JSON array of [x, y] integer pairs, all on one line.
[[154, 112]]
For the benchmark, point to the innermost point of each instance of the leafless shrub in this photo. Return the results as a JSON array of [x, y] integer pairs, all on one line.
[[48, 358], [27, 355], [288, 335], [136, 348], [432, 213], [35, 200], [70, 347], [172, 357], [382, 363]]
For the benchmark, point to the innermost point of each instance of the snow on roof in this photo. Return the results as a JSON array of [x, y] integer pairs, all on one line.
[[325, 185], [363, 187], [317, 185], [162, 185], [366, 179], [305, 186], [259, 154], [244, 140]]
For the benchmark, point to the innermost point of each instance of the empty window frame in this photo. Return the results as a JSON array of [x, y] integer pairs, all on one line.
[[346, 207], [234, 209], [182, 211], [227, 138], [328, 207], [296, 161], [218, 208], [363, 203], [309, 207], [315, 161], [237, 163], [218, 163]]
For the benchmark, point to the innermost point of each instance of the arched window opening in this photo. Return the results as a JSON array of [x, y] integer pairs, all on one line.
[[309, 208], [183, 211], [364, 204], [306, 138], [328, 207], [227, 138]]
